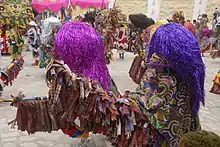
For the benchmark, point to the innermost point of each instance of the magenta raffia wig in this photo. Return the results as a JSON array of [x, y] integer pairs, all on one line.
[[82, 49]]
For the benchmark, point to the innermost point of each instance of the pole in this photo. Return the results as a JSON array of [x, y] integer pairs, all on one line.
[[199, 8], [102, 4]]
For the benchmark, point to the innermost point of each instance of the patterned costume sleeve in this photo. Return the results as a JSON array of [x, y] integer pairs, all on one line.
[[165, 86]]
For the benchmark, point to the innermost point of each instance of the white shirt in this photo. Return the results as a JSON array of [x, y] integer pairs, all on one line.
[[218, 21]]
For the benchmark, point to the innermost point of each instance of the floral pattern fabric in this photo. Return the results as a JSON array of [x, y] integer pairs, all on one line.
[[167, 103]]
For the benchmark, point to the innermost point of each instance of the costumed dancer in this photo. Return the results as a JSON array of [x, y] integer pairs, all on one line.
[[178, 17], [140, 22], [148, 33], [106, 23], [16, 44], [163, 78], [10, 73], [89, 17], [4, 36], [131, 39], [34, 40], [216, 84], [1, 46], [215, 52], [91, 72], [164, 107], [215, 47], [49, 29], [204, 40], [203, 20], [204, 33]]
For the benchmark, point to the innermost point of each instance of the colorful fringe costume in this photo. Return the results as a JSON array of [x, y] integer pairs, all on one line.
[[50, 27], [4, 39], [8, 74], [106, 23], [16, 44], [14, 15], [140, 22], [204, 40], [163, 108], [216, 84]]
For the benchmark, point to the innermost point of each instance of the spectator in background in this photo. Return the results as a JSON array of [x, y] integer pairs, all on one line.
[[34, 40], [194, 22]]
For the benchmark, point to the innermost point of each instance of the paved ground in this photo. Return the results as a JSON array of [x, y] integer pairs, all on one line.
[[31, 82]]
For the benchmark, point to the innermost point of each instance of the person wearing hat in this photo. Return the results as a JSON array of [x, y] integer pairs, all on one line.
[[34, 40]]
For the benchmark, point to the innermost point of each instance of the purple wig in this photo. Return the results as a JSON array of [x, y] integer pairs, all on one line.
[[82, 49], [180, 48]]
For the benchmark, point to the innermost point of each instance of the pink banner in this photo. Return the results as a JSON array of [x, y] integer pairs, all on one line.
[[91, 3], [53, 5]]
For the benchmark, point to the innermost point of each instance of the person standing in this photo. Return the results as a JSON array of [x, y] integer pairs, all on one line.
[[34, 40], [122, 41], [1, 46]]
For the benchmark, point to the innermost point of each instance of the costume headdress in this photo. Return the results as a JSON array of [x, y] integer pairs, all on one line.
[[178, 15], [50, 25], [141, 21], [148, 33], [90, 17], [108, 19], [81, 48], [180, 48]]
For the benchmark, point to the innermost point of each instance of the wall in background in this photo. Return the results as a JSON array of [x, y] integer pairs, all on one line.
[[140, 6]]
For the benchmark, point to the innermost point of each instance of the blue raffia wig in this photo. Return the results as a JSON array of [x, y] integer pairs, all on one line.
[[180, 48], [82, 49]]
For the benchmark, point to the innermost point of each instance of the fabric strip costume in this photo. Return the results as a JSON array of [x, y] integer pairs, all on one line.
[[163, 108]]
